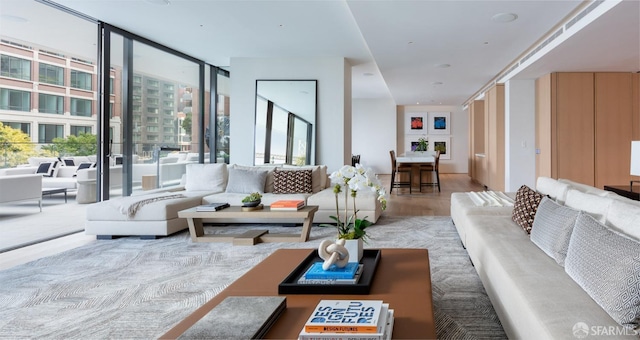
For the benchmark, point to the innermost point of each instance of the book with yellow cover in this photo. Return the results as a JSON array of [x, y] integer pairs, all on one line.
[[287, 205]]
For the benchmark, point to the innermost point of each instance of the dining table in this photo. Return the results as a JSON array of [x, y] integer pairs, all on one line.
[[415, 159]]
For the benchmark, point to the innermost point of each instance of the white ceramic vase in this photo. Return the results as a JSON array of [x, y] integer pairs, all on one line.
[[355, 248]]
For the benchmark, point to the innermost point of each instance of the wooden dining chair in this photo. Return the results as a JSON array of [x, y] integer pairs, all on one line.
[[397, 169], [432, 168]]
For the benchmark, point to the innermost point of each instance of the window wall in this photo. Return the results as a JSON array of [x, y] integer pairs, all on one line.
[[159, 107]]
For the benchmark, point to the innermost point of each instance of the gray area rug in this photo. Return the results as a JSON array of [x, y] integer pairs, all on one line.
[[129, 288]]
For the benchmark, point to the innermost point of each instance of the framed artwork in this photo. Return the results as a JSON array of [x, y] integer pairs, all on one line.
[[416, 123], [439, 123], [441, 143]]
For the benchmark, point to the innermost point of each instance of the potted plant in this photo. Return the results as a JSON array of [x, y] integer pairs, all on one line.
[[351, 179], [253, 200], [423, 145]]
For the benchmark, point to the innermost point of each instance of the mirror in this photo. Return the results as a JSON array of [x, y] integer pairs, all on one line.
[[285, 122]]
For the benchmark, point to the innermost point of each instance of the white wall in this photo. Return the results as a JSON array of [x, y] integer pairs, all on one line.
[[333, 129], [459, 134], [520, 160], [374, 132]]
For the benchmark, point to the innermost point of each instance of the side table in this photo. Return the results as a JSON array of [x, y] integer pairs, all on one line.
[[631, 192]]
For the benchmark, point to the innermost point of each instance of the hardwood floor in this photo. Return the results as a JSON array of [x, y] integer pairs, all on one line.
[[400, 203]]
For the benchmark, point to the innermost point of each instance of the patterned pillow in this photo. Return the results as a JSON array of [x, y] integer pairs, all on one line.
[[552, 227], [524, 209], [607, 266], [292, 181]]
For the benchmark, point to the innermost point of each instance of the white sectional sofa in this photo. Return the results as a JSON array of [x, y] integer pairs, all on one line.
[[209, 183], [64, 177], [591, 242], [21, 188]]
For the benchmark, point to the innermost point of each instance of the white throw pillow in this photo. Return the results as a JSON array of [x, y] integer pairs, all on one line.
[[552, 227], [624, 218], [206, 177], [268, 186], [246, 181]]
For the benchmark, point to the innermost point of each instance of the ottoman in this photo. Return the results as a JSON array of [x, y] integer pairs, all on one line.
[[156, 218]]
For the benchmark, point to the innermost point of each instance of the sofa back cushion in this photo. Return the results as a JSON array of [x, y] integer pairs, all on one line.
[[624, 217], [607, 266], [593, 205], [552, 188], [552, 227], [525, 206], [268, 185], [292, 181], [206, 177], [246, 181]]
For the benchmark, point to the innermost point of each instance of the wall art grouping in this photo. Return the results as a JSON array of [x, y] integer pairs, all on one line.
[[434, 126]]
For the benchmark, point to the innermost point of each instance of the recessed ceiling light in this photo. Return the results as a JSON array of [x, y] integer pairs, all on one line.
[[443, 65], [13, 18], [158, 2], [410, 42], [367, 74], [504, 17], [436, 83]]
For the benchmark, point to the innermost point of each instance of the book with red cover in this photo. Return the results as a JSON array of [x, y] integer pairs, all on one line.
[[287, 205]]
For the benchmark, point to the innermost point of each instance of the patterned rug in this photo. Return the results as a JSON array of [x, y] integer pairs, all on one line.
[[129, 288]]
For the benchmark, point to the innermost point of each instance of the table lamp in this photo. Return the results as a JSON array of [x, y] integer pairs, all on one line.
[[635, 161]]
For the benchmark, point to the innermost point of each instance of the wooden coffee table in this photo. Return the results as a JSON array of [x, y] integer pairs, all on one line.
[[251, 237], [402, 279]]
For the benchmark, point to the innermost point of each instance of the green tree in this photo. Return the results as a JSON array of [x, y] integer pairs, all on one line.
[[15, 146], [186, 124], [82, 145]]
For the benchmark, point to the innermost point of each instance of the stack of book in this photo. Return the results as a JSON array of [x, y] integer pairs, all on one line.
[[349, 274], [287, 205], [349, 319]]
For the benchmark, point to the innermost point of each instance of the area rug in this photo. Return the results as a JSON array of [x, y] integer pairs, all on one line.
[[129, 288]]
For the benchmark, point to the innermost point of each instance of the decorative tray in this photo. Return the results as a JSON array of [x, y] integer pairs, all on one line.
[[370, 259]]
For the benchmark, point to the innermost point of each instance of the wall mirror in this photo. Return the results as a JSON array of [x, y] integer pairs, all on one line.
[[285, 122]]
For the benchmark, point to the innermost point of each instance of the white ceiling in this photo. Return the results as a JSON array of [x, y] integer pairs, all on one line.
[[397, 43]]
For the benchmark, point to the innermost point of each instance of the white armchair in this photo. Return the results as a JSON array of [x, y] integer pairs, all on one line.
[[21, 188]]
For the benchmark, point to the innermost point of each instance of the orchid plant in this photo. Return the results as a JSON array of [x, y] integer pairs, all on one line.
[[351, 179]]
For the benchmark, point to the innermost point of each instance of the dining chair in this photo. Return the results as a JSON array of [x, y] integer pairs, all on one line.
[[397, 169], [433, 168]]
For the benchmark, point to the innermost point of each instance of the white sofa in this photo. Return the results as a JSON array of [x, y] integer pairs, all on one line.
[[21, 188], [64, 177], [208, 183], [533, 293]]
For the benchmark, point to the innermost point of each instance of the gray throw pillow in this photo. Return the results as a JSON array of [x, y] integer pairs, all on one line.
[[552, 227], [607, 266], [246, 181]]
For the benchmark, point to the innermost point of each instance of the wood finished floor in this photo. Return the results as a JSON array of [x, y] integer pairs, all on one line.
[[429, 202]]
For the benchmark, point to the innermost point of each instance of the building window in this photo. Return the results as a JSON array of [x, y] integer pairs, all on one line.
[[153, 101], [51, 74], [81, 107], [168, 87], [152, 138], [152, 92], [78, 130], [168, 130], [167, 103], [136, 108], [137, 80], [110, 85], [47, 132], [24, 127], [152, 129], [169, 139], [15, 100], [152, 110], [168, 121], [168, 95], [81, 80], [15, 67], [152, 119], [48, 103], [168, 112], [152, 83]]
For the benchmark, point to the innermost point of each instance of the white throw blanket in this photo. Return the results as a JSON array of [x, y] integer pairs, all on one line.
[[129, 205], [490, 199]]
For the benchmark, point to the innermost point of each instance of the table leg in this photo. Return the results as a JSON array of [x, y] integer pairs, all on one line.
[[306, 227], [196, 228]]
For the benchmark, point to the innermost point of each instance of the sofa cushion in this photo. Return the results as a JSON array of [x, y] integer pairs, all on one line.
[[524, 209], [49, 169], [206, 177], [246, 181], [624, 217], [292, 181], [594, 205], [552, 227], [553, 188], [268, 185], [607, 266]]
